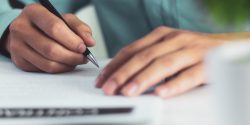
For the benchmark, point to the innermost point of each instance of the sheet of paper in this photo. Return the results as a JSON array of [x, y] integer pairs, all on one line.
[[72, 89]]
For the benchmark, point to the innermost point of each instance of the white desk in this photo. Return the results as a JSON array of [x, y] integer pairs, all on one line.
[[193, 108]]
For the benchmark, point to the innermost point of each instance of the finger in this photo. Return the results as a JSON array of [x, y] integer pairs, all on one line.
[[162, 68], [129, 51], [80, 28], [39, 61], [49, 48], [143, 59], [54, 27], [16, 57], [186, 81], [23, 64]]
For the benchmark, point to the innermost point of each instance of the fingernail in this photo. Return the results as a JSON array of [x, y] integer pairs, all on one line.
[[110, 88], [90, 37], [81, 48], [131, 90], [98, 86], [100, 76], [98, 81]]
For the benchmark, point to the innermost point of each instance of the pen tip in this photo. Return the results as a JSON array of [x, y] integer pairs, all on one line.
[[93, 60], [97, 65]]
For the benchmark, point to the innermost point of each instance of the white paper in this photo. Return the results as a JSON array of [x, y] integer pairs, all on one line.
[[72, 89]]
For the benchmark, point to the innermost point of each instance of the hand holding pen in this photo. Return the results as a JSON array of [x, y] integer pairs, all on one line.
[[53, 10], [40, 41]]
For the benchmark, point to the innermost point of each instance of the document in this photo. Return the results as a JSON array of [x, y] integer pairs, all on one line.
[[19, 89]]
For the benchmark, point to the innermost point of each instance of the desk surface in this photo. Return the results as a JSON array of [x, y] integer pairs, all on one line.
[[193, 108]]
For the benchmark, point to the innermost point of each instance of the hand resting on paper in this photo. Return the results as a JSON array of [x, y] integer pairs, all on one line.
[[164, 53]]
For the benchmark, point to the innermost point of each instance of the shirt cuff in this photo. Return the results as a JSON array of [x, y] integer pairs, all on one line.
[[5, 20]]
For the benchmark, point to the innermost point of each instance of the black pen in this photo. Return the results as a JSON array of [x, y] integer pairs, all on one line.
[[60, 112], [53, 10]]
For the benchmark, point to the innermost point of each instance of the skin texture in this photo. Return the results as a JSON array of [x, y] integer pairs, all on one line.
[[164, 53], [40, 42]]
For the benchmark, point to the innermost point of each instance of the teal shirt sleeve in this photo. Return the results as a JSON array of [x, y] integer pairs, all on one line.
[[7, 15], [125, 21], [64, 6]]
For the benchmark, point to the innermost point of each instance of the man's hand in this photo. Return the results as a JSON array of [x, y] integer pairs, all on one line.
[[162, 54], [39, 41]]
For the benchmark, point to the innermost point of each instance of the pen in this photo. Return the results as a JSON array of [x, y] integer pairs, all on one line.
[[53, 10], [60, 112]]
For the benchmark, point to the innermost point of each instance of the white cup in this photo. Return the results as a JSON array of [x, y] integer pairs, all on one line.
[[228, 69]]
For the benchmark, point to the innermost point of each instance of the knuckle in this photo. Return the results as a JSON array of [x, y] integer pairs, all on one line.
[[146, 55], [85, 61], [120, 77], [141, 56], [107, 70], [118, 80], [126, 50], [52, 67], [88, 29], [78, 25], [187, 74], [15, 62], [183, 35], [50, 51], [54, 27], [123, 51], [13, 47], [68, 16], [161, 29], [167, 61], [19, 64], [16, 26], [84, 27], [185, 80], [138, 80], [159, 62], [31, 7]]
